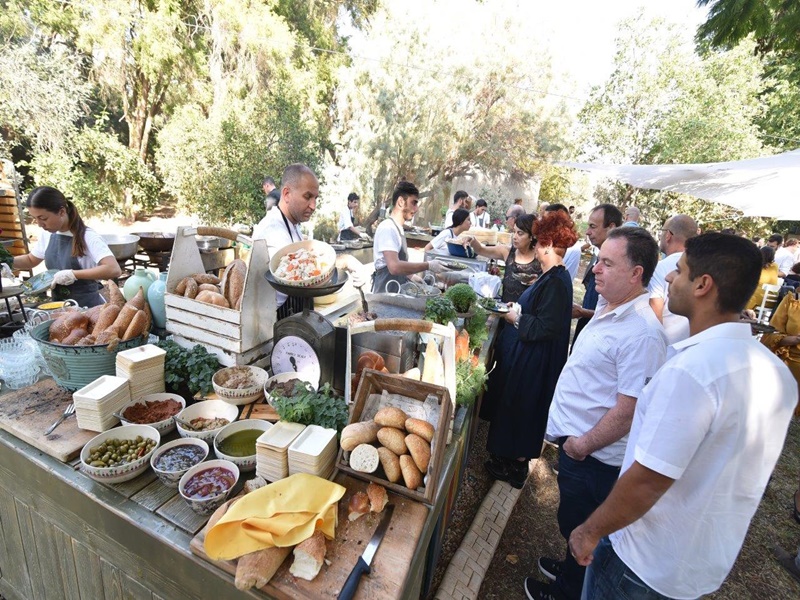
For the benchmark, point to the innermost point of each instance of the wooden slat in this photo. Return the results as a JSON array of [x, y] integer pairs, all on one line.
[[45, 538], [87, 563], [30, 550], [129, 488], [112, 586], [133, 590], [177, 511], [154, 495], [15, 570], [66, 560]]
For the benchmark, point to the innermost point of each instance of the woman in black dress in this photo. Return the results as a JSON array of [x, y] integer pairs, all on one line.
[[531, 351]]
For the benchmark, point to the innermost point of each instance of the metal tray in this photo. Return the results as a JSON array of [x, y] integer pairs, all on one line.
[[333, 285]]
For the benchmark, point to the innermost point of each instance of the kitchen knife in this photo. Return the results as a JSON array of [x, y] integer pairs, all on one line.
[[364, 561]]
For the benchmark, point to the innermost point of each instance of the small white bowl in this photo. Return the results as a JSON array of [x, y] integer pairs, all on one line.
[[120, 473], [164, 426], [245, 463], [283, 377], [207, 505], [171, 478], [208, 409], [241, 396]]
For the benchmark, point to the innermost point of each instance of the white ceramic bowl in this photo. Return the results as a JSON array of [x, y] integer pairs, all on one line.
[[281, 378], [164, 426], [241, 396], [208, 409], [124, 472], [209, 504], [245, 463], [326, 254], [171, 478]]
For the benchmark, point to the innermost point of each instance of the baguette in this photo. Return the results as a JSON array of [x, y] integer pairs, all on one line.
[[74, 336], [136, 327], [420, 451], [393, 439], [87, 341], [206, 278], [254, 570], [364, 458], [309, 556], [359, 433], [124, 318], [93, 314], [411, 475], [108, 315], [115, 295], [138, 301], [236, 279], [422, 428], [389, 416], [107, 337], [390, 464]]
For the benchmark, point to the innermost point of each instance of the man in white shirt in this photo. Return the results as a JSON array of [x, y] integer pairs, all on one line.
[[706, 435], [480, 216], [459, 200], [783, 257], [347, 227], [676, 230], [620, 349]]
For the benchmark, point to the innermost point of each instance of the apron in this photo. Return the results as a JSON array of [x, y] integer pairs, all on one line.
[[382, 276], [293, 304], [347, 235], [59, 256]]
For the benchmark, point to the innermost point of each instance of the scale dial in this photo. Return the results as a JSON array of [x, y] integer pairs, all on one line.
[[294, 354]]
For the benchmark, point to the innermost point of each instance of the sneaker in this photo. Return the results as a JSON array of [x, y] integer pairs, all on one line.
[[550, 567], [536, 590]]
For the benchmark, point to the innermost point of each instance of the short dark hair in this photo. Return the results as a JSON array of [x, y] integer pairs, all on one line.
[[404, 189], [776, 237], [459, 216], [460, 195], [795, 268], [640, 248], [352, 196], [556, 206], [524, 222], [293, 173], [268, 180], [733, 263], [611, 214], [728, 231], [481, 202], [767, 255]]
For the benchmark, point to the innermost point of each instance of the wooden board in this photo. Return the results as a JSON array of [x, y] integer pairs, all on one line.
[[390, 566], [261, 410], [28, 412]]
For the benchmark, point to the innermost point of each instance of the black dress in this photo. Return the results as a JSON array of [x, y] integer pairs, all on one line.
[[513, 288], [529, 362]]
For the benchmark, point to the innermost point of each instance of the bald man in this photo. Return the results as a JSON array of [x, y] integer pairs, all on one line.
[[632, 216]]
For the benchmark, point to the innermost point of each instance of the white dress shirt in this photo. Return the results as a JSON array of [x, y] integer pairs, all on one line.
[[274, 230], [675, 326]]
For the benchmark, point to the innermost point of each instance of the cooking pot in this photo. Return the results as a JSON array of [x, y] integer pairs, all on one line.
[[122, 247], [156, 241], [212, 242]]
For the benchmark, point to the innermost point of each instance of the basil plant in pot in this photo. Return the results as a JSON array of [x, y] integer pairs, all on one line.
[[188, 372]]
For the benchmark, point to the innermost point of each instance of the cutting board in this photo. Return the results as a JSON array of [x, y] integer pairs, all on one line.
[[390, 566], [28, 412], [261, 410]]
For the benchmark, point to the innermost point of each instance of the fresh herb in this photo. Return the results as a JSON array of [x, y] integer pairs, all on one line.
[[487, 303], [476, 328], [193, 368], [305, 406], [440, 309], [470, 382], [462, 296]]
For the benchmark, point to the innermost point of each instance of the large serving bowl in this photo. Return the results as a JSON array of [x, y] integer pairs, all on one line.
[[457, 249], [171, 477], [248, 462], [240, 396], [282, 378], [207, 409], [122, 247], [74, 367], [210, 503], [123, 472], [327, 260], [163, 426]]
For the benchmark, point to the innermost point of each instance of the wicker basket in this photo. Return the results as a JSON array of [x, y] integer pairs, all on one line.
[[74, 367]]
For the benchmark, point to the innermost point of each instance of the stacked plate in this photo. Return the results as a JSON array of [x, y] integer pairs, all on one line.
[[314, 452], [144, 368], [96, 403], [272, 460]]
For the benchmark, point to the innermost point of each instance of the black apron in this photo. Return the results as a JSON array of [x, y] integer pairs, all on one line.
[[345, 235], [59, 256], [293, 304], [382, 276]]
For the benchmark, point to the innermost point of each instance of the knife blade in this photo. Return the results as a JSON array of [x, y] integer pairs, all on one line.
[[365, 560]]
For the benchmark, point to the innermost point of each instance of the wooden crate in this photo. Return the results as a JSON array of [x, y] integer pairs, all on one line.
[[375, 382], [237, 337]]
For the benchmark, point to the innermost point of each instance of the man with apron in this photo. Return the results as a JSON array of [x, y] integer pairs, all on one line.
[[389, 245], [347, 220]]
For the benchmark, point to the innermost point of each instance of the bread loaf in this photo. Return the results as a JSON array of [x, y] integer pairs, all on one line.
[[390, 464], [108, 336], [364, 458], [76, 320], [393, 439], [206, 278], [191, 288], [58, 329], [138, 301], [420, 451], [208, 287], [378, 498], [389, 416], [115, 296], [359, 433], [214, 298], [88, 340], [74, 336], [422, 428], [93, 314], [236, 279], [309, 556], [411, 475], [108, 315], [358, 506], [180, 289], [254, 570], [124, 318], [369, 360], [136, 327]]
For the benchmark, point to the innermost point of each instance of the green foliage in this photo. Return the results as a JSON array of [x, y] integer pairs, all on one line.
[[487, 303], [305, 406], [439, 309], [470, 382], [462, 296], [476, 328], [194, 368]]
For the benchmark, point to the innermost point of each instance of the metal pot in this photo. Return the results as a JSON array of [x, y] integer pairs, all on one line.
[[122, 246], [156, 241], [212, 242]]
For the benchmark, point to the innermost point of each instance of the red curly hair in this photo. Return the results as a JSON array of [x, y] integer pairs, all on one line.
[[555, 229]]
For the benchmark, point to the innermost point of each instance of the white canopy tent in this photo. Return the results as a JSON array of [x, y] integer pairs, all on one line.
[[760, 187]]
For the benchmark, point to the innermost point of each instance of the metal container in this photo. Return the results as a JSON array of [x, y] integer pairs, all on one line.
[[156, 241], [122, 247], [212, 242]]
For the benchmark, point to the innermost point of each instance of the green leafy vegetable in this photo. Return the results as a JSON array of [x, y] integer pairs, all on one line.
[[191, 368], [476, 328], [487, 303], [462, 296], [439, 309], [305, 406], [470, 382]]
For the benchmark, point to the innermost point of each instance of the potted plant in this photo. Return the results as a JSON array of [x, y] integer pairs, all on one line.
[[188, 372]]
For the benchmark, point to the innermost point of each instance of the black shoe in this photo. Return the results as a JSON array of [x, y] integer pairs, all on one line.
[[550, 567], [497, 468], [796, 514], [518, 473], [787, 562], [536, 590]]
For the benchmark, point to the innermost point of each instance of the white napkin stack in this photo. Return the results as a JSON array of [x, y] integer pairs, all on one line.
[[314, 452], [272, 450], [96, 403], [143, 366]]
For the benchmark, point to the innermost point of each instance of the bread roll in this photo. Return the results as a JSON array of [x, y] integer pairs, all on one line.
[[390, 464], [207, 287], [422, 428], [108, 315], [393, 439], [378, 498], [191, 288], [420, 451], [359, 506], [411, 475], [124, 318], [359, 433], [136, 327], [364, 458], [254, 570], [369, 360], [76, 320], [180, 289], [74, 336], [206, 278], [309, 556], [93, 314], [214, 298], [58, 329], [389, 416]]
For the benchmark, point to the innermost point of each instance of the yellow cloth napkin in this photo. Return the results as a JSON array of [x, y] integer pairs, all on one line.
[[281, 514]]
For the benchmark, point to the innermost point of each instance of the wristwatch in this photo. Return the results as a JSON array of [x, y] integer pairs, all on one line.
[[516, 320]]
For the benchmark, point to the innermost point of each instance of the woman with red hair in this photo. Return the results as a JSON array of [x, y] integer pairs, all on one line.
[[530, 355]]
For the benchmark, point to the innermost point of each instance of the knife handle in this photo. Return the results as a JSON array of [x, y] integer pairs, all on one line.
[[350, 586]]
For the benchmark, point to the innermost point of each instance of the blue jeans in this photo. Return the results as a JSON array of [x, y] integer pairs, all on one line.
[[608, 578], [583, 486]]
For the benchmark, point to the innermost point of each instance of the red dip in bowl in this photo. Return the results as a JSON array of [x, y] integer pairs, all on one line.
[[208, 483]]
